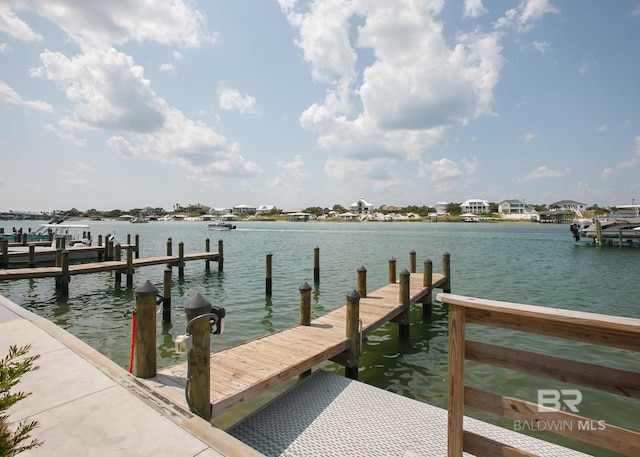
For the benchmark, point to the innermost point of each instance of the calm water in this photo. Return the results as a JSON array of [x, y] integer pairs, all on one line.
[[529, 263]]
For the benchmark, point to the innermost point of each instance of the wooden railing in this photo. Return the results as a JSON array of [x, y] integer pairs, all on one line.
[[605, 330]]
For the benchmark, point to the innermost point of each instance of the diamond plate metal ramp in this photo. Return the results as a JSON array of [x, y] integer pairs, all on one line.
[[329, 415]]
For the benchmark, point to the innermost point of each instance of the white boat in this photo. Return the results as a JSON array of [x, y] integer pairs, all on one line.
[[624, 223], [138, 220], [220, 225], [72, 236]]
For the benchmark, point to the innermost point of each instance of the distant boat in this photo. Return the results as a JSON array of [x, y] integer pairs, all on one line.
[[138, 220], [624, 223], [220, 225]]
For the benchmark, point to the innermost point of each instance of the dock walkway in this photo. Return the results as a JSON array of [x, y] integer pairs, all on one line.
[[247, 370]]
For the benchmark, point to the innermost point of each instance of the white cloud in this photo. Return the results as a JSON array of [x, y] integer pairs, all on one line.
[[527, 15], [165, 67], [233, 100], [546, 173], [608, 173], [15, 27], [529, 137], [295, 168], [168, 22], [474, 8], [3, 48], [635, 159], [65, 135], [177, 55], [11, 96], [541, 46], [602, 128], [439, 170], [416, 86]]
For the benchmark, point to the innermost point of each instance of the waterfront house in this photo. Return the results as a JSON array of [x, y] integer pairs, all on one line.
[[361, 207], [266, 209], [475, 205], [243, 209], [569, 205]]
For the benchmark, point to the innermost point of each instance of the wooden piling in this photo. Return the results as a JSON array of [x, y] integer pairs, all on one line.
[[145, 363], [169, 247], [25, 239], [412, 261], [117, 256], [353, 334], [268, 274], [207, 248], [166, 293], [137, 251], [108, 251], [427, 282], [404, 298], [598, 238], [181, 260], [220, 256], [362, 281], [100, 252], [198, 390], [456, 387], [305, 304], [129, 266], [4, 253], [392, 270], [316, 265], [32, 255], [446, 271], [63, 285]]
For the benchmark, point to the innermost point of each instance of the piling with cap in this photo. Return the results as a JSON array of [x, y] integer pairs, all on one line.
[[316, 265], [198, 390], [392, 270], [404, 298], [353, 334], [144, 362], [305, 304], [362, 281], [166, 293]]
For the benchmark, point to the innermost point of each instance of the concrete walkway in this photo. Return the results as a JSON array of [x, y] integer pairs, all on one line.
[[87, 405]]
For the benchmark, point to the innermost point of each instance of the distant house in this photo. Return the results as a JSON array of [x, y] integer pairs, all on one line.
[[569, 205], [266, 209], [243, 209], [219, 211], [361, 207], [513, 207], [441, 208], [391, 208], [475, 206]]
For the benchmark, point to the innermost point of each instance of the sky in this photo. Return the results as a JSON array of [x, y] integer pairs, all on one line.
[[127, 104]]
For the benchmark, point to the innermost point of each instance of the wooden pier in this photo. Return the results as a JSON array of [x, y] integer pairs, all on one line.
[[242, 372]]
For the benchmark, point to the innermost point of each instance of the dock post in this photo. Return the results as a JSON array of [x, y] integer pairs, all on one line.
[[25, 239], [100, 253], [64, 279], [32, 255], [316, 265], [598, 238], [129, 266], [137, 246], [169, 247], [392, 270], [353, 335], [305, 304], [220, 256], [455, 380], [268, 274], [199, 359], [404, 298], [4, 253], [117, 256], [58, 257], [108, 253], [427, 282], [128, 238], [166, 293], [446, 271], [412, 261], [362, 281], [181, 259], [145, 364], [207, 248]]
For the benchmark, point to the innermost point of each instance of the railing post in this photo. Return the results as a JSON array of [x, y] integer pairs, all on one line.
[[404, 298], [362, 281], [166, 293], [198, 389], [220, 256], [145, 364], [181, 259], [268, 274], [207, 248], [353, 335], [455, 432], [392, 270], [316, 265], [446, 271], [412, 261], [305, 304], [427, 282]]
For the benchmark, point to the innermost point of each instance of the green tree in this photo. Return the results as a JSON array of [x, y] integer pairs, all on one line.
[[19, 440], [454, 209]]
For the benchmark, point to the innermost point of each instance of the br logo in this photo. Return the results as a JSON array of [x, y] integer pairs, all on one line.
[[559, 399]]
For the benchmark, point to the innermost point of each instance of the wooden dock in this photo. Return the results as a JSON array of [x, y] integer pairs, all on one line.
[[244, 371]]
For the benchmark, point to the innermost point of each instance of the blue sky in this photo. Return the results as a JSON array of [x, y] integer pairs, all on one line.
[[127, 104]]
